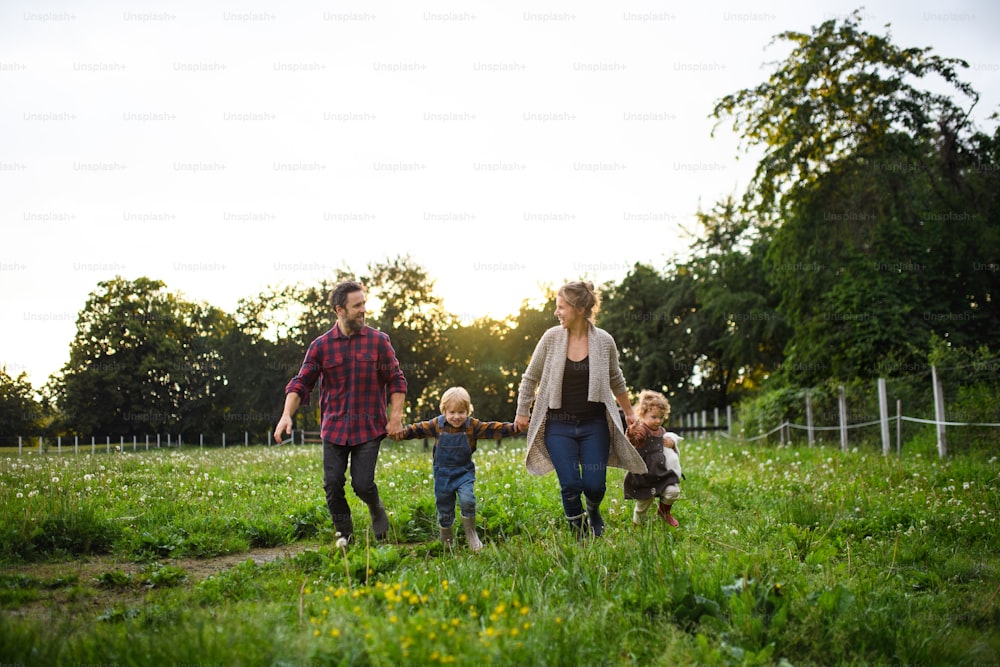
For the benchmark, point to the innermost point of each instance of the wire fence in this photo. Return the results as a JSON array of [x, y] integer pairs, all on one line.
[[954, 408]]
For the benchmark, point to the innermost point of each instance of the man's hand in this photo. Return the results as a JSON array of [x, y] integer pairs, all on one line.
[[283, 428]]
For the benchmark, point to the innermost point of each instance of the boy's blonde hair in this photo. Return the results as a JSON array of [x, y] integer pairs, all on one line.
[[456, 396], [652, 400]]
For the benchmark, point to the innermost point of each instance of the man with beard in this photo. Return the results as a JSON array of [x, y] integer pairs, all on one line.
[[359, 371]]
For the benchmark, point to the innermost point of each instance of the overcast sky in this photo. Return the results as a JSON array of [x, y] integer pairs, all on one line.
[[227, 147]]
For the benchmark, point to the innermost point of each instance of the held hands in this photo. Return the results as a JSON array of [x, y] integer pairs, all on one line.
[[520, 423], [394, 428], [637, 432]]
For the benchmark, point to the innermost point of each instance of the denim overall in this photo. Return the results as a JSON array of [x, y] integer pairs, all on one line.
[[454, 474]]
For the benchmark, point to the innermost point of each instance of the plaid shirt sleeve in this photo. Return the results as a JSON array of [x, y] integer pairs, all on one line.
[[312, 366], [488, 430], [426, 429]]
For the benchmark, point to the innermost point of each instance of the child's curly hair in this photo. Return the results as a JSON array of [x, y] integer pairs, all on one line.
[[652, 400]]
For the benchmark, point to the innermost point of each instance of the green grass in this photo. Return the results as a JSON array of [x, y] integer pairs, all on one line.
[[790, 555]]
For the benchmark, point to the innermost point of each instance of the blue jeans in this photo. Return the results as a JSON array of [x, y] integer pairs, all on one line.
[[579, 452], [363, 459]]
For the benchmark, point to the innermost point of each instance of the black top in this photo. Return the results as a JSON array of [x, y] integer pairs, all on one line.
[[575, 383]]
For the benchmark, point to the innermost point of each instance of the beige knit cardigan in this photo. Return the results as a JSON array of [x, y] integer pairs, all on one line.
[[545, 375]]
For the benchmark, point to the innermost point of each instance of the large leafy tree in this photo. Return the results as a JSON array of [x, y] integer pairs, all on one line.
[[740, 332], [705, 330], [416, 321], [143, 360], [477, 359], [880, 196], [649, 316]]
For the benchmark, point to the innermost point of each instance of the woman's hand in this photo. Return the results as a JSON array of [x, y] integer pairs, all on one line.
[[520, 423]]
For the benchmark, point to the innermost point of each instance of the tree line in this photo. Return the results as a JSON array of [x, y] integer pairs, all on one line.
[[868, 239]]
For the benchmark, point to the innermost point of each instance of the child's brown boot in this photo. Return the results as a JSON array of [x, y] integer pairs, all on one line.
[[664, 511]]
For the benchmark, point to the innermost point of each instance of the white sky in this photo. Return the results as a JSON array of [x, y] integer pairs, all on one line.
[[226, 147]]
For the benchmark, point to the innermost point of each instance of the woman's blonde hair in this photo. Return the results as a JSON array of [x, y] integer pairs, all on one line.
[[456, 396], [652, 400], [581, 294]]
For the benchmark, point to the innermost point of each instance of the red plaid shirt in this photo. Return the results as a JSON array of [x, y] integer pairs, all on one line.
[[358, 375]]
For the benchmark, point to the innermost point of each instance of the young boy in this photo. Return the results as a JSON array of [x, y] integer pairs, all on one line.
[[658, 449], [454, 472]]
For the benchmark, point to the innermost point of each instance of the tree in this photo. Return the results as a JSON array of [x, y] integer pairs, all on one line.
[[647, 314], [880, 198], [839, 94], [266, 348], [741, 333], [143, 360], [477, 359], [416, 321], [20, 412]]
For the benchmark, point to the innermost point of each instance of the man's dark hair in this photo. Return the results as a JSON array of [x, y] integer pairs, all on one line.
[[338, 296]]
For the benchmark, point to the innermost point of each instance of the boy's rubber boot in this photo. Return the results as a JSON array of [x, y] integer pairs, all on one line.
[[447, 535], [596, 520], [469, 524]]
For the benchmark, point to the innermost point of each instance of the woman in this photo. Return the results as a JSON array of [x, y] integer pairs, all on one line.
[[574, 380]]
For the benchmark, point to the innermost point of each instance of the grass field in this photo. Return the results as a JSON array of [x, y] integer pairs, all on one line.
[[785, 556]]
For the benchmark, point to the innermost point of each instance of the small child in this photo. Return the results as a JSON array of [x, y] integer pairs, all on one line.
[[659, 450], [454, 472]]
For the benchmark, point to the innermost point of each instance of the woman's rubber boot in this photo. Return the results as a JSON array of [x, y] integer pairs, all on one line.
[[596, 520], [578, 524], [469, 524]]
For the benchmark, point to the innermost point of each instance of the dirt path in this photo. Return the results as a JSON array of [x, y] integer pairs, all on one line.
[[72, 587]]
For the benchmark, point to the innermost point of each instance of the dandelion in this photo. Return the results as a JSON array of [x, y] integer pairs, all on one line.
[[55, 480]]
